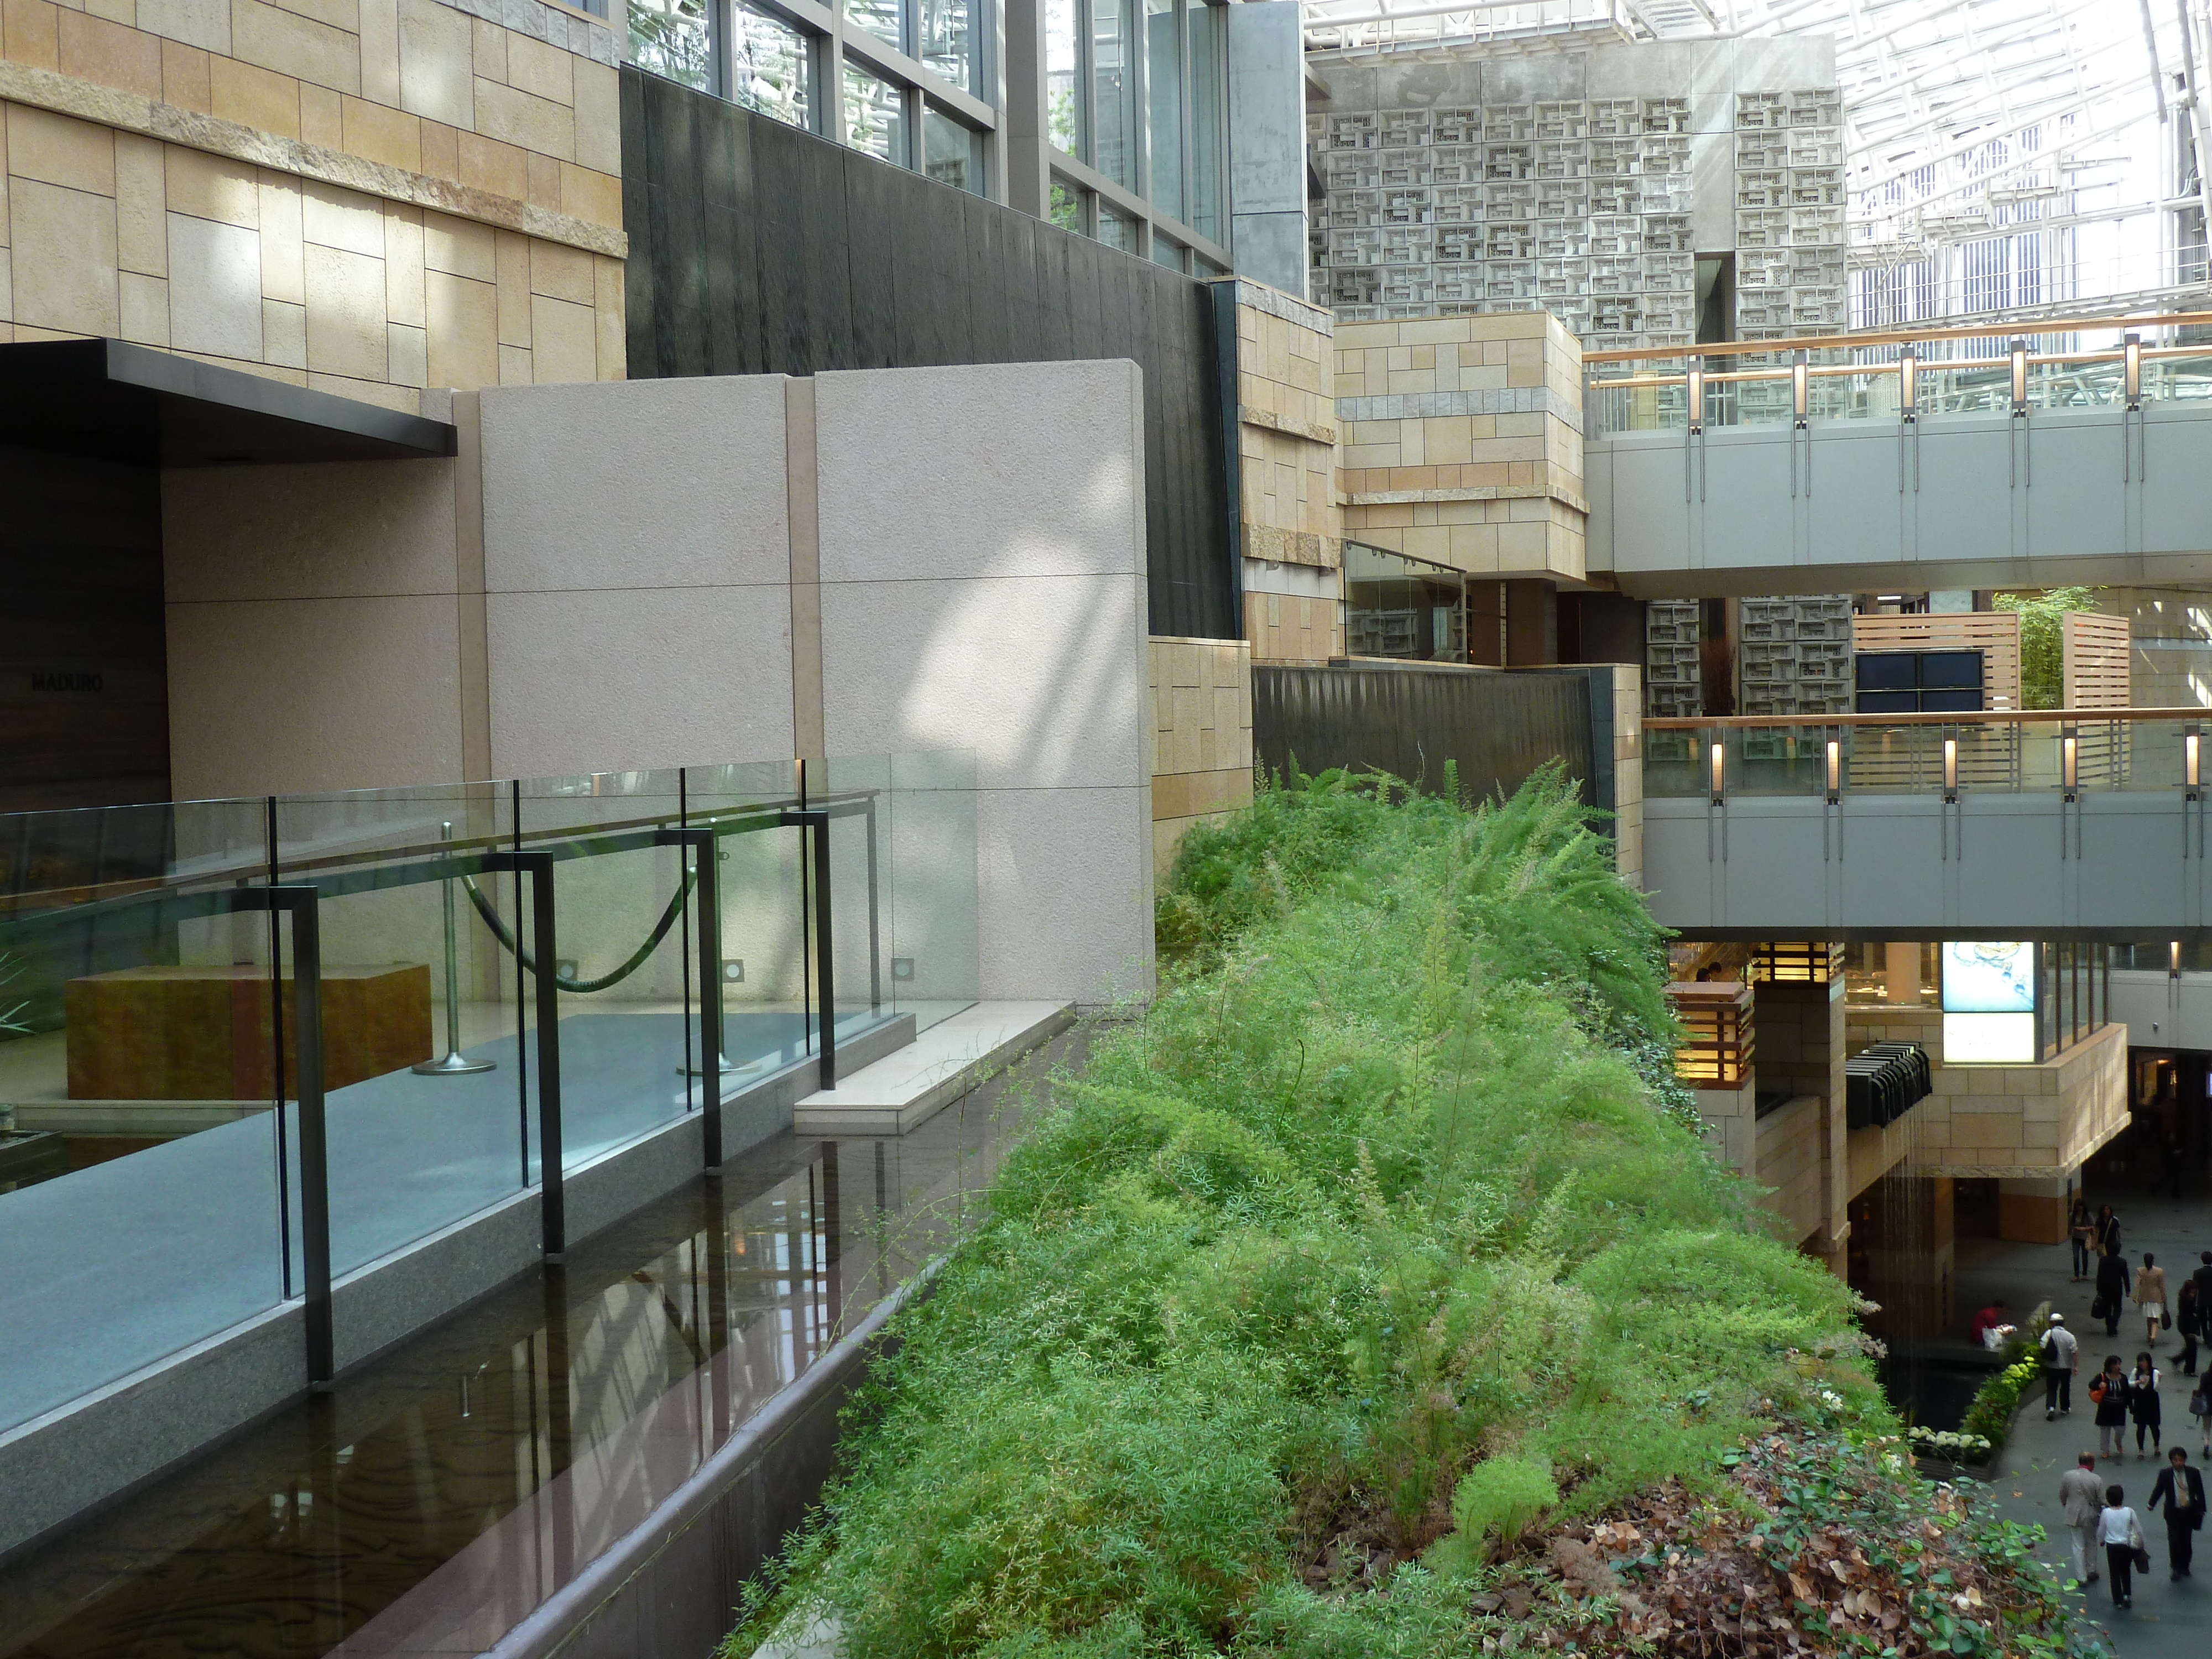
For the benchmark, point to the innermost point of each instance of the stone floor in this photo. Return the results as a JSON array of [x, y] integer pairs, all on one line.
[[2168, 1617]]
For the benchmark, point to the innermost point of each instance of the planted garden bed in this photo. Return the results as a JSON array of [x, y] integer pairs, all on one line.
[[1376, 1294]]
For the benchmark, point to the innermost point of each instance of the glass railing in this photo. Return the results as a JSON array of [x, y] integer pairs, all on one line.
[[2004, 751], [159, 1175], [2111, 363]]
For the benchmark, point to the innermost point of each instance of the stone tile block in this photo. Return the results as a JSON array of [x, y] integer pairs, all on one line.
[[345, 313], [487, 164], [145, 309], [336, 14], [295, 45], [525, 121], [322, 116], [185, 72], [515, 367], [406, 354], [463, 331], [542, 71], [142, 238], [564, 345], [284, 334], [436, 62], [561, 273], [254, 96], [389, 136], [343, 219], [32, 32], [110, 55], [59, 149], [215, 277], [63, 266], [379, 51], [403, 265]]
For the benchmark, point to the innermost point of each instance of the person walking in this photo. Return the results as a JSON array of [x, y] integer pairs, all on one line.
[[2189, 1319], [2111, 1290], [2109, 1392], [2143, 1403], [2203, 1278], [2122, 1538], [2061, 1358], [2108, 1228], [2180, 1497], [2123, 1535], [2150, 1298], [2081, 1229], [2081, 1497]]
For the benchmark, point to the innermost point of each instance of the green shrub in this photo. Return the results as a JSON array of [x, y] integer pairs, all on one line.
[[1372, 1239]]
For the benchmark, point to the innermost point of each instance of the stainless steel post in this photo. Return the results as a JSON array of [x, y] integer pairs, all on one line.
[[455, 1064]]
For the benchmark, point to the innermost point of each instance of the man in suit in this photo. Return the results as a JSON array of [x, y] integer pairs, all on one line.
[[2081, 1498], [2179, 1496]]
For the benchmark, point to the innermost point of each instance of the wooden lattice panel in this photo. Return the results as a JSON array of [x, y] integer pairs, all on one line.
[[1716, 1032], [1995, 634], [2097, 669]]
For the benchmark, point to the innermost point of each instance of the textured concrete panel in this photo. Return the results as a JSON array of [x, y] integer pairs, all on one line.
[[1014, 469], [637, 677], [1067, 892], [1267, 113], [638, 483], [336, 530], [1270, 247], [273, 696]]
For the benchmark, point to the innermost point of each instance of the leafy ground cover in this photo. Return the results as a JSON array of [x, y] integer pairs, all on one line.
[[1374, 1295]]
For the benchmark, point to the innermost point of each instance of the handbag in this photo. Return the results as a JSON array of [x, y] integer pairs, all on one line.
[[2096, 1307], [2142, 1559]]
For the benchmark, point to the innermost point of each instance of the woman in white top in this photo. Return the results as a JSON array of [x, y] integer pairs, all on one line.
[[2122, 1536]]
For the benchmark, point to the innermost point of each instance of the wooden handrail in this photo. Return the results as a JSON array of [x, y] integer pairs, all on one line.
[[1977, 717]]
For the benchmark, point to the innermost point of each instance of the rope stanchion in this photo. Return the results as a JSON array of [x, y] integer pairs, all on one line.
[[455, 1064], [580, 986]]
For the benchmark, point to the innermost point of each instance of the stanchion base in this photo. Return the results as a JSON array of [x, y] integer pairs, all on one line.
[[730, 1068], [456, 1064]]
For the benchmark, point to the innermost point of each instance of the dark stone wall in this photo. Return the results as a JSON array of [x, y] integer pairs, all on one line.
[[758, 249]]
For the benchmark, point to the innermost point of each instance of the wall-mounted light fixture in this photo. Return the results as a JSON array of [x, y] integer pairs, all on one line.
[[2019, 377], [1800, 382], [1950, 769], [1908, 384], [2131, 369], [1697, 396], [2174, 958], [2192, 762], [1835, 769], [1720, 767], [2069, 763]]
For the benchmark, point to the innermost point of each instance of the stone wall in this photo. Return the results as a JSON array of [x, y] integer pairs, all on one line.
[[1202, 736], [1463, 442], [368, 197], [1292, 527]]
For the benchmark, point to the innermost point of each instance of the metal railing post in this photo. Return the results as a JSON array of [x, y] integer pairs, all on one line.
[[825, 980], [703, 843], [301, 903], [552, 1212]]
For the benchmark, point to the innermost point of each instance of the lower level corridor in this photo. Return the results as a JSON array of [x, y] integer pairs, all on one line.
[[440, 1494]]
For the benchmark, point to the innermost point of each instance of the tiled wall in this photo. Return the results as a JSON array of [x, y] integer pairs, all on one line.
[[1463, 443], [1292, 627], [369, 196], [1788, 1141], [1628, 773], [1202, 736], [2016, 1120], [1286, 429]]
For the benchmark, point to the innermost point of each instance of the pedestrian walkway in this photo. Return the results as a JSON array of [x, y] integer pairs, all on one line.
[[2167, 1618]]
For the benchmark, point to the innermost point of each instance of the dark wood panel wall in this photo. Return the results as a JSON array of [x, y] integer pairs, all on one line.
[[755, 248], [84, 686]]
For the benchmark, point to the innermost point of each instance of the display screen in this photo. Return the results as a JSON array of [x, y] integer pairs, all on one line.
[[1889, 670], [1988, 1039], [1982, 977], [1951, 670]]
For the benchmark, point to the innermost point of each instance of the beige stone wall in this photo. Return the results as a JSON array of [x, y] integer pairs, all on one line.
[[1286, 429], [1731, 1129], [1289, 628], [1202, 736], [2005, 1121], [1789, 1164], [366, 196], [1462, 441]]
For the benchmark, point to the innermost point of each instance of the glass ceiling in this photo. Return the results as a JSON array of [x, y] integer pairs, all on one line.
[[2016, 157]]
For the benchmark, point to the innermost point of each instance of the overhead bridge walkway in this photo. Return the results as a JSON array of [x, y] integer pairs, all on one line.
[[1951, 458], [2089, 825]]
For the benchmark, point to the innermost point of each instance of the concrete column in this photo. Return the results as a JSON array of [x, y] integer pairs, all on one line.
[[1901, 974], [1024, 164], [1904, 1237], [1802, 1049], [1731, 1118], [2033, 1211], [1268, 143]]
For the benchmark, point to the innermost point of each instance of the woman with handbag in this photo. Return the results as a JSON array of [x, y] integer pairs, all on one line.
[[2123, 1537], [2150, 1297], [2109, 1393], [2143, 1404], [2179, 1495]]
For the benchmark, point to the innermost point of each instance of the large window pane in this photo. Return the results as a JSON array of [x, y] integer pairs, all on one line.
[[1206, 98], [1067, 207], [1166, 252], [875, 115], [768, 67], [1063, 78], [1117, 231], [955, 152], [1113, 91], [881, 18], [1164, 93], [670, 37], [948, 41]]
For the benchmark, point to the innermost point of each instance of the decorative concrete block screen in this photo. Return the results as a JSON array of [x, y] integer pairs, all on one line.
[[1481, 187]]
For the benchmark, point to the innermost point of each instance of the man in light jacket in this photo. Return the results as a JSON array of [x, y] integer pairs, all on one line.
[[2081, 1498]]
